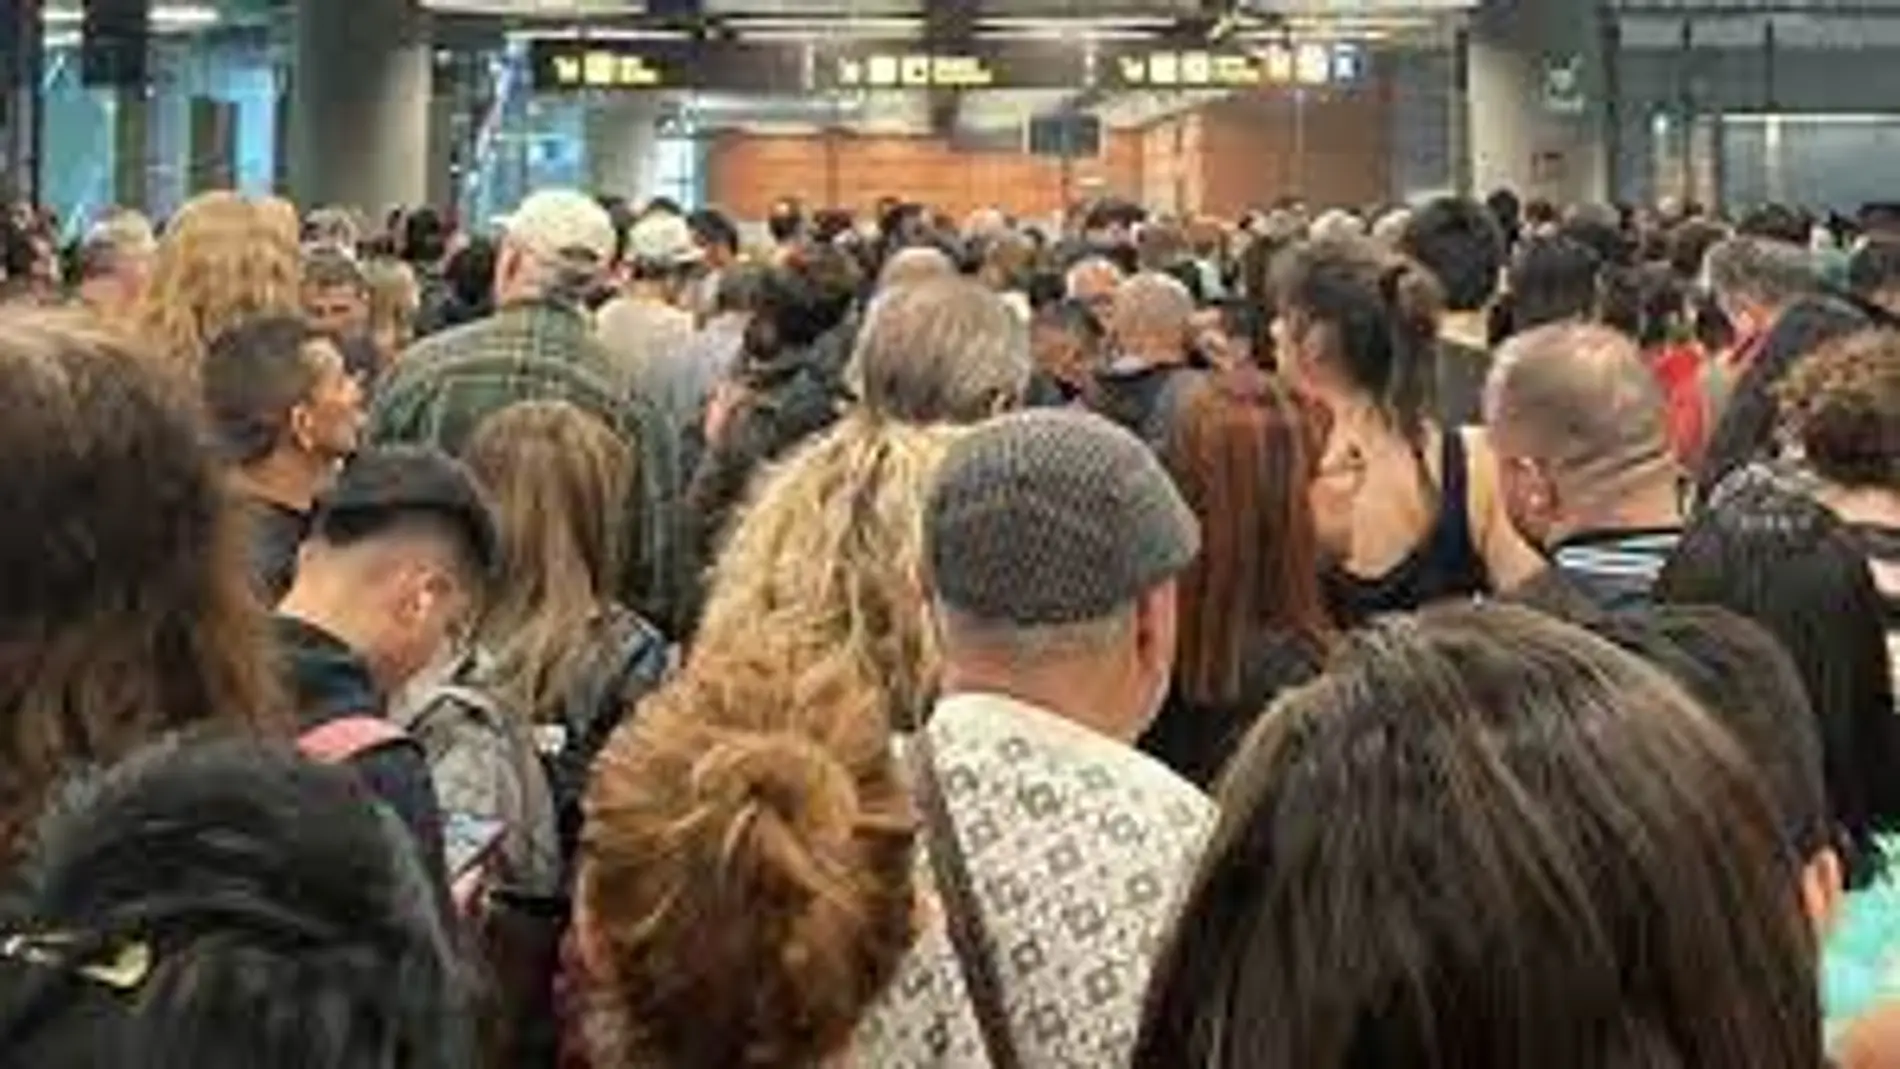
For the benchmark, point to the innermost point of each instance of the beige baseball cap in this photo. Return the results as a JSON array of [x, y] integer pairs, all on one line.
[[564, 226]]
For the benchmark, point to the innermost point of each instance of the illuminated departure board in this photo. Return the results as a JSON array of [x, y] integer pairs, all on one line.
[[1311, 63], [874, 65], [621, 65]]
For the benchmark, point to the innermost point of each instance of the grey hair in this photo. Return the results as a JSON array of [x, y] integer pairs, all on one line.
[[1338, 225], [961, 630], [1579, 398], [1774, 273], [1153, 301], [914, 266], [1072, 281], [947, 350]]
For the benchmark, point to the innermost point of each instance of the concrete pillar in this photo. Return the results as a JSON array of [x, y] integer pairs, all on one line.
[[359, 114], [622, 144], [132, 147], [1537, 93]]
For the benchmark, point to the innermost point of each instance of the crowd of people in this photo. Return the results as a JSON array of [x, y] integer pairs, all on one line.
[[1460, 635]]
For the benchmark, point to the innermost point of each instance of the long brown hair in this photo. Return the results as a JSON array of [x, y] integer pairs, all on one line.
[[223, 259], [747, 865], [559, 480], [125, 608], [1244, 455]]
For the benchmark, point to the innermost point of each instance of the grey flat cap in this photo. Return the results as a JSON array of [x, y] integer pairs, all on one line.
[[1051, 517]]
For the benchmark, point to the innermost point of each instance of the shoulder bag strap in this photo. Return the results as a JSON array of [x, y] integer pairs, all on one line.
[[976, 959]]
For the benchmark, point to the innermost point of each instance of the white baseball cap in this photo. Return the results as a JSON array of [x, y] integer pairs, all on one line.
[[564, 226], [663, 239]]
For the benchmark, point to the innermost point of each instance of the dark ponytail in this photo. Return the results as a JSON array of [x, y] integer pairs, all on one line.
[[1384, 312], [1414, 302]]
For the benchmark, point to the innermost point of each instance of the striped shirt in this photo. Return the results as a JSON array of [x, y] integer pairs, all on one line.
[[1616, 569]]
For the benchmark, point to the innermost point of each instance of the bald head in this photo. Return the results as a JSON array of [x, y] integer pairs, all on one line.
[[1093, 281], [914, 266], [1153, 318], [1578, 400]]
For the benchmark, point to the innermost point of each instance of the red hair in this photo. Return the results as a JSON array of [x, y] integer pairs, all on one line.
[[1244, 456]]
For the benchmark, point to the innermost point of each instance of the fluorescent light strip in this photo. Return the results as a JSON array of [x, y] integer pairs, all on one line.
[[164, 16]]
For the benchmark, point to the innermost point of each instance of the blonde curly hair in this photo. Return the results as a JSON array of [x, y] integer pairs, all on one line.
[[828, 556], [224, 259]]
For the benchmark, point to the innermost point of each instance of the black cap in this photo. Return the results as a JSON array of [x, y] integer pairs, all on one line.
[[387, 483]]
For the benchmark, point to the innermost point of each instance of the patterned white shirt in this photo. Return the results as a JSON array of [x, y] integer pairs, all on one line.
[[1078, 848]]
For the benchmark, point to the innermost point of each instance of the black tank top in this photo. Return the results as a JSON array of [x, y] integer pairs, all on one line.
[[1445, 564]]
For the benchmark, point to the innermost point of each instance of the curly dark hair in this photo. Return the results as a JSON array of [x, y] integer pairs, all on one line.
[[125, 612], [1843, 405]]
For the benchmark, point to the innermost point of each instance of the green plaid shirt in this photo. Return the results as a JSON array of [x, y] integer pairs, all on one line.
[[446, 384]]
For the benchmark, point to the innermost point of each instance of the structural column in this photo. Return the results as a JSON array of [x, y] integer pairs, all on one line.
[[359, 113], [1537, 96], [622, 141]]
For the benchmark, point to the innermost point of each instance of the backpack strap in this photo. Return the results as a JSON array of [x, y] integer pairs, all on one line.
[[347, 738]]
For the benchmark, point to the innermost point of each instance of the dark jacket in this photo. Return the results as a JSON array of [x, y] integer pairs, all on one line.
[[1197, 739], [1147, 402], [277, 533], [330, 682]]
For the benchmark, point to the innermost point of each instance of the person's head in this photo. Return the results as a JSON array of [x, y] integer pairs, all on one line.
[[395, 297], [335, 293], [1389, 229], [1243, 456], [470, 274], [1457, 240], [786, 223], [1650, 304], [1053, 540], [1552, 280], [1008, 261], [115, 263], [397, 559], [1749, 424], [1356, 324], [222, 260], [1066, 341], [740, 290], [914, 266], [1094, 281], [1745, 680], [1761, 549], [276, 388], [127, 612], [1488, 839], [717, 238], [559, 481], [425, 237], [557, 246], [1873, 274], [801, 300], [948, 350], [1580, 431], [1152, 320], [222, 904], [825, 554], [1338, 224], [1777, 222], [1754, 280], [663, 255], [1508, 211], [1601, 229], [1688, 245], [335, 228], [1841, 406], [747, 884]]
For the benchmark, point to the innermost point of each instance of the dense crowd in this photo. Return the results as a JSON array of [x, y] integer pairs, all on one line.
[[1463, 634]]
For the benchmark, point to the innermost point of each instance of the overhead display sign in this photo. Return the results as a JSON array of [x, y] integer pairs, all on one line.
[[871, 65], [1311, 63], [564, 65]]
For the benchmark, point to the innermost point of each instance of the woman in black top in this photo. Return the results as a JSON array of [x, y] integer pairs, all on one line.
[[1408, 510], [1252, 621]]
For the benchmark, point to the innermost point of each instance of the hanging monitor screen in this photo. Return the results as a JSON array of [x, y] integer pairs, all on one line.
[[1308, 63]]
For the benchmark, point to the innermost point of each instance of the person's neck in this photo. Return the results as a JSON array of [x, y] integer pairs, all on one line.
[[1076, 692], [1656, 506], [289, 478], [1870, 506], [1471, 329], [314, 603], [643, 292]]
